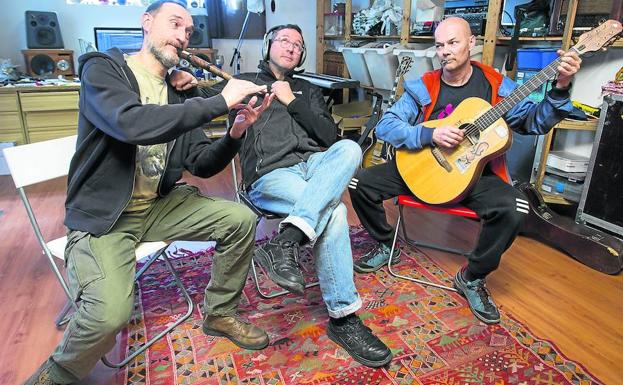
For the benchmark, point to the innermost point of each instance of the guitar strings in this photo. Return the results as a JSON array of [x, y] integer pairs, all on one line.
[[492, 115]]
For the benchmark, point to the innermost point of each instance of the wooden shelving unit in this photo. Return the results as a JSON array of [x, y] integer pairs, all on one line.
[[567, 124], [490, 39]]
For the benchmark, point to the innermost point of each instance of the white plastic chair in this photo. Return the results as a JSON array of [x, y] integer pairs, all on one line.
[[35, 163]]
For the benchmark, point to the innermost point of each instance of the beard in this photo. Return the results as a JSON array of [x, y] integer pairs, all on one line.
[[167, 60]]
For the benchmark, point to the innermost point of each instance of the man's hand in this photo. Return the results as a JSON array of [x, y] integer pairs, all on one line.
[[447, 136], [248, 114], [182, 80], [283, 92], [569, 64], [237, 89]]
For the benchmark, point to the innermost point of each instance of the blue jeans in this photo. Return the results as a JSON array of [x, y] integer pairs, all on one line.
[[309, 193]]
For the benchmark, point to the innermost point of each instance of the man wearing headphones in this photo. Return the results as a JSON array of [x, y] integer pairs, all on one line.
[[286, 170]]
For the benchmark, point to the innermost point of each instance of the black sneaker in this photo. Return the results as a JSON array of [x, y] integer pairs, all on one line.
[[478, 298], [376, 258], [280, 260], [357, 339]]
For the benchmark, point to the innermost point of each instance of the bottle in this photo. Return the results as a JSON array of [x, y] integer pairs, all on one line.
[[219, 61]]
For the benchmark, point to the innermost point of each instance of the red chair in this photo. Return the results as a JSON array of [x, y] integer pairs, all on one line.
[[409, 201]]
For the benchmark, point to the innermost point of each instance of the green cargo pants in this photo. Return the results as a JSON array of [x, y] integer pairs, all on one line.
[[101, 270]]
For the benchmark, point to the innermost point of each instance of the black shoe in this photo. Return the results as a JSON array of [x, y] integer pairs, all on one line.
[[357, 339], [280, 260], [478, 298]]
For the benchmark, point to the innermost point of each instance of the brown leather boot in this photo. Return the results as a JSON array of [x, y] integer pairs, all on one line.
[[41, 376], [241, 333]]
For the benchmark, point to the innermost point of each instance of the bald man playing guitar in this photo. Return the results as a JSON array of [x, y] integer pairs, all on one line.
[[409, 125]]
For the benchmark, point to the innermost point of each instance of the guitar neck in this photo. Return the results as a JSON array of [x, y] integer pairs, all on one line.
[[519, 94]]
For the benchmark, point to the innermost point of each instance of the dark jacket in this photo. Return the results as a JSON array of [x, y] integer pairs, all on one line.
[[284, 136], [113, 121]]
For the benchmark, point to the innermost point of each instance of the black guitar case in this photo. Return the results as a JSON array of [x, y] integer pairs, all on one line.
[[594, 248]]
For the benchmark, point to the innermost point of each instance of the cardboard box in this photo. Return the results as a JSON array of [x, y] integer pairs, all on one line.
[[352, 116], [567, 161]]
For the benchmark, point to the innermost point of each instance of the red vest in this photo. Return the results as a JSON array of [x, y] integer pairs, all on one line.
[[432, 81]]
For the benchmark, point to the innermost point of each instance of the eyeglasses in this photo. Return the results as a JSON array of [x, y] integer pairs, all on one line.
[[287, 44]]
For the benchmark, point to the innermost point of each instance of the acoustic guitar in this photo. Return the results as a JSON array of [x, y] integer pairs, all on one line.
[[378, 151], [438, 175]]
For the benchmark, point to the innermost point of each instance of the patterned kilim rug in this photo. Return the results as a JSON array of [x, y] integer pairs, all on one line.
[[432, 333]]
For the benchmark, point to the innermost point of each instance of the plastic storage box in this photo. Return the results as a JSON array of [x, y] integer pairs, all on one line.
[[567, 161], [475, 54], [422, 55], [356, 64], [535, 58], [382, 63], [558, 185]]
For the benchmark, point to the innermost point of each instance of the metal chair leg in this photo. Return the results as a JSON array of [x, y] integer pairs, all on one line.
[[180, 285], [399, 223], [63, 317], [277, 294]]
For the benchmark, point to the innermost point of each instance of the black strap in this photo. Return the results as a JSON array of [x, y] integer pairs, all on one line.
[[374, 118], [512, 49]]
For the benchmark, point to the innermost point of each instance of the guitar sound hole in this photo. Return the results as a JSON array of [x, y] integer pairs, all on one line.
[[472, 133]]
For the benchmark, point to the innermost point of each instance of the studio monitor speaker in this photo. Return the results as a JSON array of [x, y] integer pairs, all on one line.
[[201, 35], [42, 30], [49, 62]]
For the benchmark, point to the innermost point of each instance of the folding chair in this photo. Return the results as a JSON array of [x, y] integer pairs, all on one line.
[[409, 201], [241, 196], [34, 163]]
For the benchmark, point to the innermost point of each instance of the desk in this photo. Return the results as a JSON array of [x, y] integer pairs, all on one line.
[[33, 114]]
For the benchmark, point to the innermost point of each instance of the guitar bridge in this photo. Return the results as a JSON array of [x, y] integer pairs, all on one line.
[[441, 159]]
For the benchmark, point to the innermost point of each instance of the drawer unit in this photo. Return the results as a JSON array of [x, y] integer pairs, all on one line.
[[42, 120], [8, 103], [49, 101]]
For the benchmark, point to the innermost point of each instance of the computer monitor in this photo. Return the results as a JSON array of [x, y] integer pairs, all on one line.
[[126, 39], [450, 4], [508, 11]]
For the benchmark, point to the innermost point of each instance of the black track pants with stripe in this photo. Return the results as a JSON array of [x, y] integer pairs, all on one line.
[[501, 207]]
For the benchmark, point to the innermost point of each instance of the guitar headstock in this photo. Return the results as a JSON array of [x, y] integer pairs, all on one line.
[[598, 37]]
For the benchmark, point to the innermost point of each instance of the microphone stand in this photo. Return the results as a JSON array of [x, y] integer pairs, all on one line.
[[236, 56]]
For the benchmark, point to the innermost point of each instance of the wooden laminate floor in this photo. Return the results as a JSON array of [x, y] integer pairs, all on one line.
[[579, 309]]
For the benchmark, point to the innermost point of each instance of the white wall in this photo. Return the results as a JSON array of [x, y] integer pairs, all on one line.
[[596, 70], [77, 21]]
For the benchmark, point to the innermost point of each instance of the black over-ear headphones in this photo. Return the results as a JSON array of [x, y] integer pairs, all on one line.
[[270, 34]]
